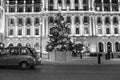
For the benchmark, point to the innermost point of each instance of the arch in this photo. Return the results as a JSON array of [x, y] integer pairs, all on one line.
[[19, 44], [101, 47], [28, 45], [37, 20], [11, 44]]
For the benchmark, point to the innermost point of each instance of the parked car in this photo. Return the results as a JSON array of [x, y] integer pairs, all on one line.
[[24, 57]]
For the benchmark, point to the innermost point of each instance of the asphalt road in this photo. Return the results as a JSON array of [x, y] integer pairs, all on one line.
[[63, 72]]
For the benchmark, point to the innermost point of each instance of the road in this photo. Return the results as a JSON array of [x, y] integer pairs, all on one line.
[[63, 72]]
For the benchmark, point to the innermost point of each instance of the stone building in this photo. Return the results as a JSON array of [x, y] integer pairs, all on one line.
[[94, 23]]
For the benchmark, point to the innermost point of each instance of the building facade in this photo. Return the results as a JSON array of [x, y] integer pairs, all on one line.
[[94, 23]]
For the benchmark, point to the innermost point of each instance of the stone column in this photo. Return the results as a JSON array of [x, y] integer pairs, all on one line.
[[32, 27], [47, 26], [24, 26], [24, 5], [16, 27], [16, 5], [112, 26], [81, 26], [90, 25], [32, 5], [103, 26], [102, 6], [72, 25]]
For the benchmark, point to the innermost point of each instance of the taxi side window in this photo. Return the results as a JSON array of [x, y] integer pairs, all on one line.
[[13, 51], [24, 52]]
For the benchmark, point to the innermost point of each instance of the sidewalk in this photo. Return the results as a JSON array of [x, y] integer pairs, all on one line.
[[84, 61]]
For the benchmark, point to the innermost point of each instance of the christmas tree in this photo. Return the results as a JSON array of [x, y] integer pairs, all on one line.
[[59, 38]]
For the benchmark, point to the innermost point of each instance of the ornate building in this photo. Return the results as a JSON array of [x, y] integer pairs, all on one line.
[[95, 23]]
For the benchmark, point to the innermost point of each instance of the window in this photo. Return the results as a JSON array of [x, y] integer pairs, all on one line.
[[12, 21], [37, 8], [36, 31], [69, 30], [117, 47], [37, 1], [28, 21], [76, 2], [10, 44], [115, 20], [77, 30], [68, 20], [98, 5], [99, 20], [107, 20], [24, 52], [116, 30], [67, 2], [85, 5], [11, 32], [11, 8], [99, 29], [13, 51], [107, 30], [77, 20], [20, 9], [86, 30], [28, 45], [36, 21], [51, 5], [28, 31], [28, 1], [51, 1], [86, 20], [101, 47], [19, 32], [20, 21], [28, 8], [59, 1], [19, 44], [106, 5], [115, 5]]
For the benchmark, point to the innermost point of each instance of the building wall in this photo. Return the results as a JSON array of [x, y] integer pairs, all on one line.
[[88, 29]]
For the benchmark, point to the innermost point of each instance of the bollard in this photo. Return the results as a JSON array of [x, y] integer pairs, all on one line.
[[99, 58]]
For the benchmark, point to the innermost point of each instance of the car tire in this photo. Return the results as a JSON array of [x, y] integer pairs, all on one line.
[[24, 65]]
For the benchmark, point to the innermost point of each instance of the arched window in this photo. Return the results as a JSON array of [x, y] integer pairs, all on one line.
[[10, 44], [115, 20], [117, 47], [19, 44], [99, 20], [28, 45], [77, 20], [101, 47], [86, 19], [107, 20], [36, 46], [12, 21]]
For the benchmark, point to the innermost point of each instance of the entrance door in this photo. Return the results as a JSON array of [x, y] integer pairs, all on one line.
[[109, 47]]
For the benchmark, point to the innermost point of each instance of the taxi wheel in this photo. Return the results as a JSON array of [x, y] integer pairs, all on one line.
[[24, 65]]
